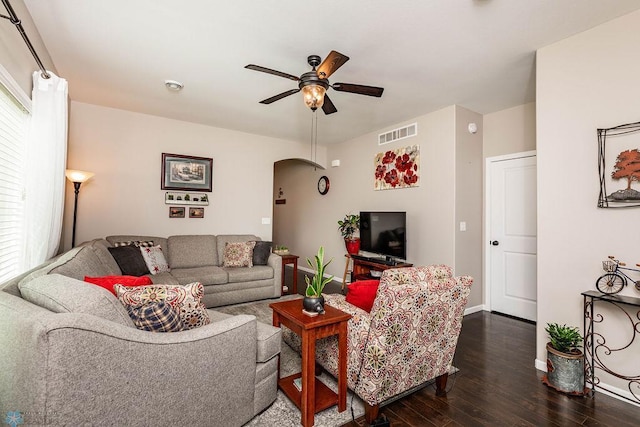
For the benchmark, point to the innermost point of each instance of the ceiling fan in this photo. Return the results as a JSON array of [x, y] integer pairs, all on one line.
[[315, 83]]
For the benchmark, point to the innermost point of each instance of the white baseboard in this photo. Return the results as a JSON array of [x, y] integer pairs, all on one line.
[[475, 309]]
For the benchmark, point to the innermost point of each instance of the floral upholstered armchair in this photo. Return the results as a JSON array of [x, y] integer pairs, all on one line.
[[407, 339]]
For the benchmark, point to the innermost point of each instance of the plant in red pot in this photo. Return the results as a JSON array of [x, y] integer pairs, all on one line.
[[349, 228]]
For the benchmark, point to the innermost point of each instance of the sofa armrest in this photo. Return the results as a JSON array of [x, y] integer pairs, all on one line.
[[275, 262], [91, 370]]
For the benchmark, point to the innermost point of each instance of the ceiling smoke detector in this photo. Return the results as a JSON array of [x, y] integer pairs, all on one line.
[[173, 85]]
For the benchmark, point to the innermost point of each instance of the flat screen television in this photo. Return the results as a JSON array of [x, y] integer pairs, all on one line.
[[384, 233]]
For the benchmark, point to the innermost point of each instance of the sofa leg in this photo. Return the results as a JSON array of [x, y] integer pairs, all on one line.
[[441, 384], [371, 412]]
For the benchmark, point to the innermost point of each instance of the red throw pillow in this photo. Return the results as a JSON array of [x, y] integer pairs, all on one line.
[[362, 294], [107, 282]]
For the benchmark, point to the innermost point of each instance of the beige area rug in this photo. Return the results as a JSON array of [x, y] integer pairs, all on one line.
[[283, 412]]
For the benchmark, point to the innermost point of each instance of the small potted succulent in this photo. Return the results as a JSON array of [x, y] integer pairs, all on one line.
[[313, 300], [565, 361], [349, 228]]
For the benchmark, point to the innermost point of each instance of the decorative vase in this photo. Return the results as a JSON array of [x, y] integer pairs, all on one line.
[[353, 245], [313, 304], [565, 372]]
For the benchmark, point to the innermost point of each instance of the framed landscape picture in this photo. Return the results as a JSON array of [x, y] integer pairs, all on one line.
[[189, 173], [196, 212], [176, 212]]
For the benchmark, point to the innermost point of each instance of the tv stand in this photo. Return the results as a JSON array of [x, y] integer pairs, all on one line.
[[362, 266]]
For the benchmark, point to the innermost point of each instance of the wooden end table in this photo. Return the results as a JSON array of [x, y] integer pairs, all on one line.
[[315, 396], [293, 260]]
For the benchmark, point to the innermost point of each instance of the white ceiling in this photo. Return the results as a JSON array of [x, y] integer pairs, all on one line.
[[427, 54]]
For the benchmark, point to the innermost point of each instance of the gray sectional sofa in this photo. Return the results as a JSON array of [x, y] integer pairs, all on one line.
[[199, 258], [70, 354]]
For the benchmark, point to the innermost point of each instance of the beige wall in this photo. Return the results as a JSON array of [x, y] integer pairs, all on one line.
[[468, 200], [510, 131], [309, 220], [585, 82], [14, 53], [124, 150]]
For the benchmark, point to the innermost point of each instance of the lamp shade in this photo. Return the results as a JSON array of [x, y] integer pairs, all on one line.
[[78, 176], [313, 95]]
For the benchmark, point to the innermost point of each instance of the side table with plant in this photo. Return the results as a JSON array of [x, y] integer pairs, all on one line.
[[565, 361]]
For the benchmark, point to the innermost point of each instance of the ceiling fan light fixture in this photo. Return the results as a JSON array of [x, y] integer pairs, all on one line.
[[313, 96]]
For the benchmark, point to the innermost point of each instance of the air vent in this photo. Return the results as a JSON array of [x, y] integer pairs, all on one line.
[[397, 134]]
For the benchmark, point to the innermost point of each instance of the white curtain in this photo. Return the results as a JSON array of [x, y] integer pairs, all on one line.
[[46, 158]]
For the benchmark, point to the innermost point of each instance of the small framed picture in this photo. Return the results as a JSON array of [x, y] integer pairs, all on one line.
[[196, 212], [176, 212]]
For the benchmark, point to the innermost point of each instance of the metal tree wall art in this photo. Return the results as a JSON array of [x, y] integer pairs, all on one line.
[[625, 171]]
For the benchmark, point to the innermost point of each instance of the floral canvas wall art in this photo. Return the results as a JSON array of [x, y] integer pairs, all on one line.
[[398, 168]]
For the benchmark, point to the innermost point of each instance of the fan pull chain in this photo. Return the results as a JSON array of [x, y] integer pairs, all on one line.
[[314, 140]]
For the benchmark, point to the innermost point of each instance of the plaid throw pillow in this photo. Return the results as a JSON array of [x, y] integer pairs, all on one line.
[[156, 317]]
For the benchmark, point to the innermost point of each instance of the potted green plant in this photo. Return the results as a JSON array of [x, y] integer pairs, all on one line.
[[565, 361], [349, 228], [313, 301]]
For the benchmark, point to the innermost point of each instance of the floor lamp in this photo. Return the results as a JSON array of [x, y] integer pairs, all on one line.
[[77, 177]]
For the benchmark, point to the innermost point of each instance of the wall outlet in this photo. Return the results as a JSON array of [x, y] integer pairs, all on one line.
[[463, 226]]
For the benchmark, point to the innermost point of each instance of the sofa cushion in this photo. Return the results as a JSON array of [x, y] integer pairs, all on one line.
[[238, 254], [155, 260], [187, 299], [210, 275], [130, 260], [101, 248], [166, 279], [156, 317], [362, 294], [62, 294], [261, 252], [231, 238], [78, 262], [107, 282], [246, 274], [192, 251]]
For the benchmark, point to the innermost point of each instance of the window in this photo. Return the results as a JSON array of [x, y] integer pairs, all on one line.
[[14, 119]]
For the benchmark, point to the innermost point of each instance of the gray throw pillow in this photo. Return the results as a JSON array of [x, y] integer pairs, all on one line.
[[130, 260], [261, 252]]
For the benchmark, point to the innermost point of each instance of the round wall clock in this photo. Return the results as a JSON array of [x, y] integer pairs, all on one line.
[[323, 185]]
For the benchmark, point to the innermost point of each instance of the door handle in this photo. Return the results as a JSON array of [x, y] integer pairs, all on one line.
[[495, 243]]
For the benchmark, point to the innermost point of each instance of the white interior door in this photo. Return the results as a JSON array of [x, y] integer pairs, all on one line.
[[512, 234]]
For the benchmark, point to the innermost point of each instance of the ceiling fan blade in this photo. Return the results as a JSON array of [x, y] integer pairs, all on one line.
[[328, 106], [270, 71], [279, 96], [331, 63], [359, 89]]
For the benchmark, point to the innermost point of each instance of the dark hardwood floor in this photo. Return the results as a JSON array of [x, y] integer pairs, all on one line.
[[498, 385]]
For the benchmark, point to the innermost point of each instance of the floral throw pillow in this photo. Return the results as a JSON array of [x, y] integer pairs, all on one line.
[[238, 254], [155, 260], [187, 300]]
